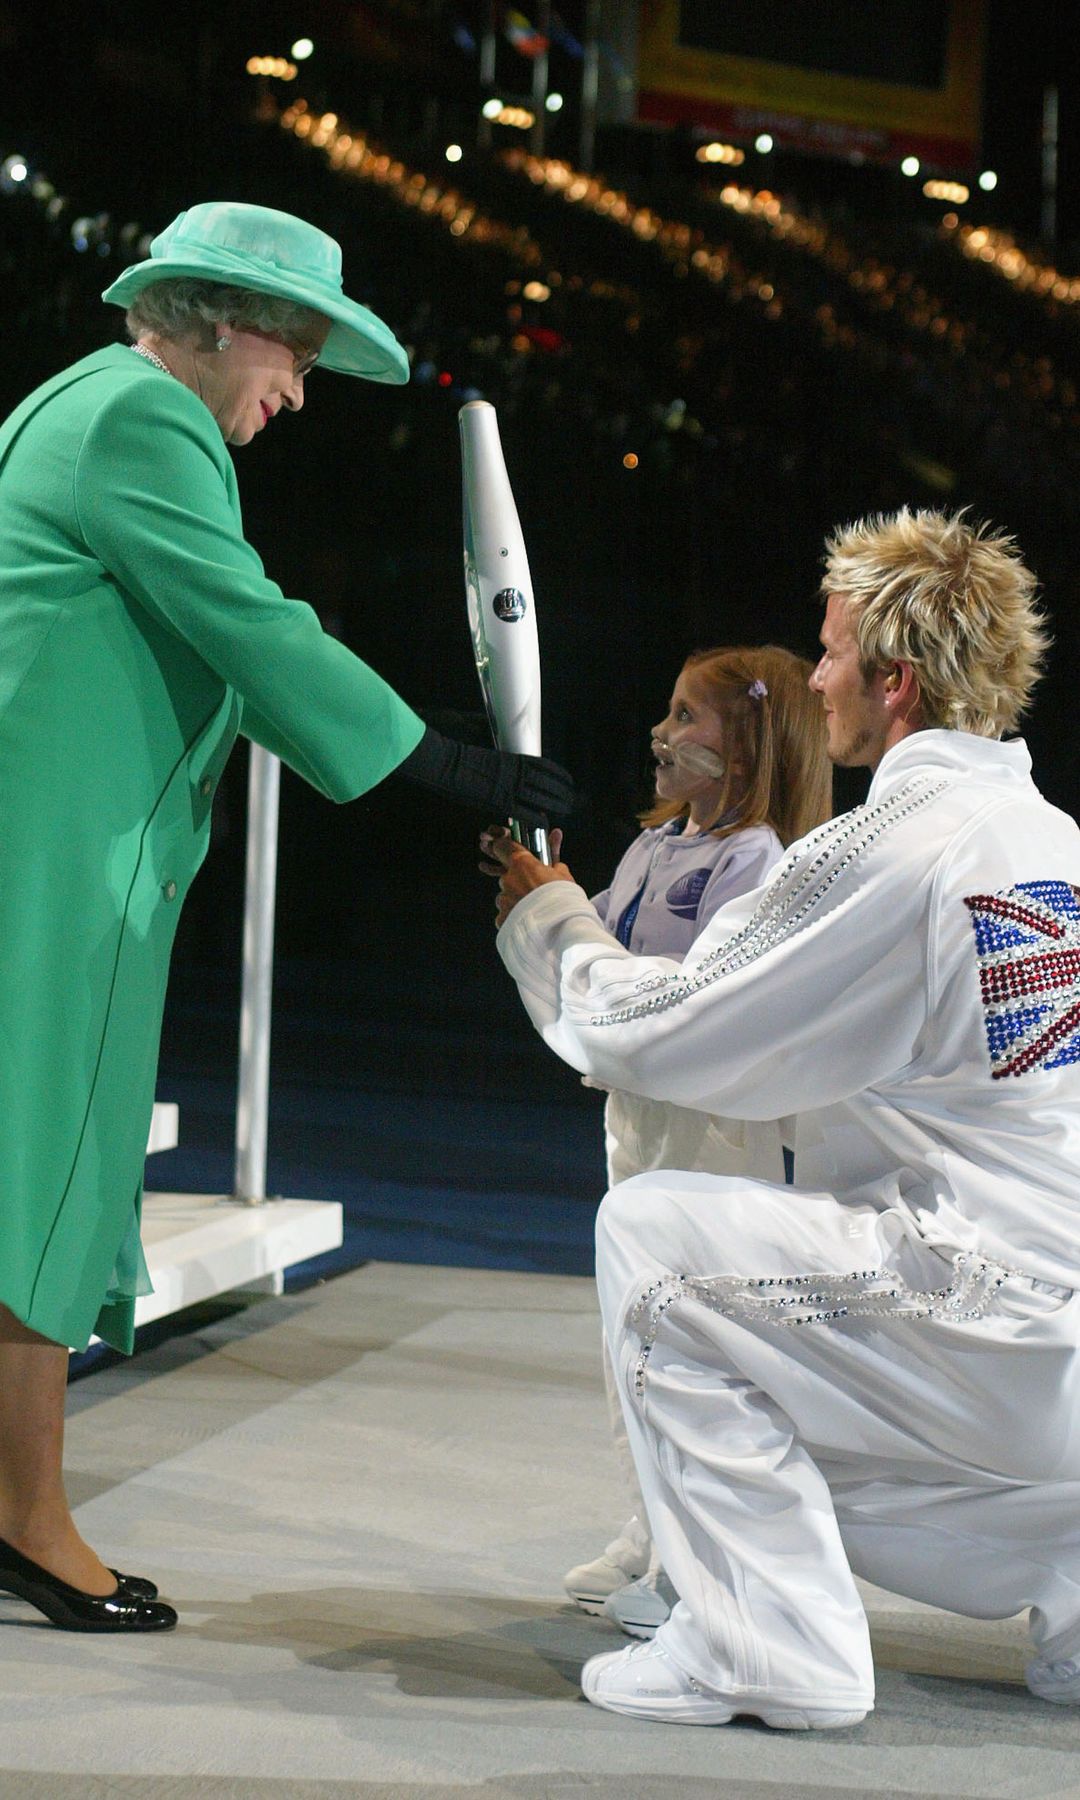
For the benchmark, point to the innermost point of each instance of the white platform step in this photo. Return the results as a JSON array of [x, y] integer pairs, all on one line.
[[201, 1245], [164, 1127]]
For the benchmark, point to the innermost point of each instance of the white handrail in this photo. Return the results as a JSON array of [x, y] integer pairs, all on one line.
[[253, 1087]]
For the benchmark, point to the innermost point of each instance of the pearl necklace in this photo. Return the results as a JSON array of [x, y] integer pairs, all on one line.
[[151, 357]]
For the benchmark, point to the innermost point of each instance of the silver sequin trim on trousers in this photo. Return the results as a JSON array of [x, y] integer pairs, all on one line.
[[786, 903], [816, 1299]]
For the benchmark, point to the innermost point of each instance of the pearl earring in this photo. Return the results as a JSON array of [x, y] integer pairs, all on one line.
[[224, 342]]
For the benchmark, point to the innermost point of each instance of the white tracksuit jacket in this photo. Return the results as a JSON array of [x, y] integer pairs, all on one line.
[[907, 982]]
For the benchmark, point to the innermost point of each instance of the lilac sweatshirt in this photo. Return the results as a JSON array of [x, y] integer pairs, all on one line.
[[681, 881]]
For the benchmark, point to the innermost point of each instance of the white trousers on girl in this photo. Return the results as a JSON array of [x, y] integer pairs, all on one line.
[[809, 1391]]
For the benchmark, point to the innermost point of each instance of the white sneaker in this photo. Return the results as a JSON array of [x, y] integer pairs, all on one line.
[[644, 1682], [1058, 1682], [642, 1606], [589, 1584]]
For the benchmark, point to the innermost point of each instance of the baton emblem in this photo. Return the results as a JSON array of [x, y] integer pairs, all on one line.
[[509, 604]]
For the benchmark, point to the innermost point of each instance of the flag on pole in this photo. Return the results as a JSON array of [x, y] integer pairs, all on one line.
[[523, 35], [563, 38]]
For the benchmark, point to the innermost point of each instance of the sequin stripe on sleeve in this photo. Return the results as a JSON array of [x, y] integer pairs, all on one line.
[[820, 1299], [790, 898]]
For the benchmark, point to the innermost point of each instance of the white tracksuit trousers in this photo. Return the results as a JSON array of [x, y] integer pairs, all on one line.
[[928, 1439], [640, 1135]]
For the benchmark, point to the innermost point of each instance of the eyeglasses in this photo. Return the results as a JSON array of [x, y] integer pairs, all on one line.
[[304, 357]]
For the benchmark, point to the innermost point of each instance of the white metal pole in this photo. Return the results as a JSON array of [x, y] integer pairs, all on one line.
[[1048, 212], [538, 134], [488, 47], [590, 84], [253, 1092]]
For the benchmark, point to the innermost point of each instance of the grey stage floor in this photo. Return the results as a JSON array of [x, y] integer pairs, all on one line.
[[362, 1498]]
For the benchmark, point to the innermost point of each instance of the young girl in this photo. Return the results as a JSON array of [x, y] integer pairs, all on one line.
[[741, 772]]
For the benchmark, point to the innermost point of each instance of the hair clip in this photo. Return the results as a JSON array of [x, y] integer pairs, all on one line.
[[758, 691]]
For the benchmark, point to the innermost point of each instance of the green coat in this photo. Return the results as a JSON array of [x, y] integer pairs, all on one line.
[[138, 634]]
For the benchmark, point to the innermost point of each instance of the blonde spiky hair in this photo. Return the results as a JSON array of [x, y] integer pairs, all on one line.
[[953, 600]]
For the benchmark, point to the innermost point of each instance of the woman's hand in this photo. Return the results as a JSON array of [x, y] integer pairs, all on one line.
[[517, 869]]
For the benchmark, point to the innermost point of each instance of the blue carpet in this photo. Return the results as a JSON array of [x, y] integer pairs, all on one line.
[[425, 1177]]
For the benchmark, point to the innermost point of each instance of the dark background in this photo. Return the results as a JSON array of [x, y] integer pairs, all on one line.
[[401, 1060]]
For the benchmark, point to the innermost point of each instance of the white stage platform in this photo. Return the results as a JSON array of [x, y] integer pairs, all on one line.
[[200, 1245]]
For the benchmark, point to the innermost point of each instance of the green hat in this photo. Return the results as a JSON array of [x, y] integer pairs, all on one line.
[[271, 253]]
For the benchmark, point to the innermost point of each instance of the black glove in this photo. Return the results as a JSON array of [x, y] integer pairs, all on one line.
[[466, 727], [497, 782]]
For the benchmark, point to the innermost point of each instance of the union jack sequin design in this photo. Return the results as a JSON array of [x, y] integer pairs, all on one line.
[[1028, 943]]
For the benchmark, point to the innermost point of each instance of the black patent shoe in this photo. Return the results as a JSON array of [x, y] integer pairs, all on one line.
[[71, 1609], [136, 1584]]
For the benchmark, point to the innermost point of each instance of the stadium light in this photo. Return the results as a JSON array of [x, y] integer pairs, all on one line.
[[954, 192], [720, 153]]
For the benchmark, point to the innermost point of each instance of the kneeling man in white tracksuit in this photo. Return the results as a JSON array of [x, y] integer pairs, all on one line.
[[876, 1370]]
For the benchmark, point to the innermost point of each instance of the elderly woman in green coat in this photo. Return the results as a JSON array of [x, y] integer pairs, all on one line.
[[138, 635]]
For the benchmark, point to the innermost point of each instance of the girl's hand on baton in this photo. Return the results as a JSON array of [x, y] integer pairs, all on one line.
[[518, 870], [498, 834]]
